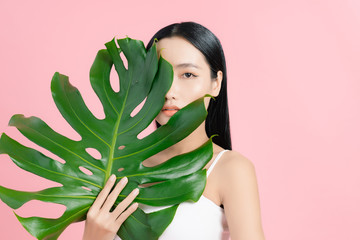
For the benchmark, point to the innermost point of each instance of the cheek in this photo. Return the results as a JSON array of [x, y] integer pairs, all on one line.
[[192, 90]]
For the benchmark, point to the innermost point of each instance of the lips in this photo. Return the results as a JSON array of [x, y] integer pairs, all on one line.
[[169, 110]]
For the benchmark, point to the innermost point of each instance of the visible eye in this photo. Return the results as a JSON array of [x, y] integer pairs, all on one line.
[[188, 75]]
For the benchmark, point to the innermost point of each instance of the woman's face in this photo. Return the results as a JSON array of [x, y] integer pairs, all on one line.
[[192, 76]]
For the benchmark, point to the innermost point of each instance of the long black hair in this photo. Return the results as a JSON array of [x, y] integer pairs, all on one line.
[[217, 121]]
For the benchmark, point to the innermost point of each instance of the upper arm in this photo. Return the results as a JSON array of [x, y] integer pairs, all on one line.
[[240, 197]]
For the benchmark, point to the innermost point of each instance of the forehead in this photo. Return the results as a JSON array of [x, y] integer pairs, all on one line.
[[178, 50]]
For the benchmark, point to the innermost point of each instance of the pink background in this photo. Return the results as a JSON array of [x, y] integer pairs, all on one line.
[[294, 92]]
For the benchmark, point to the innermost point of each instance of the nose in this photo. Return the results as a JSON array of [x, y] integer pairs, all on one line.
[[172, 93]]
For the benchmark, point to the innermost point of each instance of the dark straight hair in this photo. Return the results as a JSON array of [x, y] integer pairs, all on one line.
[[217, 121]]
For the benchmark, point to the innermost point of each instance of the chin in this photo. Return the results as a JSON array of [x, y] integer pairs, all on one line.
[[161, 121]]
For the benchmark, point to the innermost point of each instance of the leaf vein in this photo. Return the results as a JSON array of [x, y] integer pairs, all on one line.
[[73, 110], [68, 150], [58, 173]]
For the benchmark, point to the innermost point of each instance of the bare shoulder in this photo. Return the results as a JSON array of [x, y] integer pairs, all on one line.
[[236, 163], [237, 174], [240, 197]]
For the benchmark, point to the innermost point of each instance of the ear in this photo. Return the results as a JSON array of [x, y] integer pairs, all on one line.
[[216, 84]]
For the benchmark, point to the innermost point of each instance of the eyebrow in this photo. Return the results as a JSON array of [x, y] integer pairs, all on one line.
[[184, 65]]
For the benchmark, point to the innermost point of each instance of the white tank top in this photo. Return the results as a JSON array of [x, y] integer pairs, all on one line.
[[194, 220]]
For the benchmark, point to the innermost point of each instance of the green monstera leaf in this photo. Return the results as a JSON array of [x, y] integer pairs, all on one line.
[[146, 79]]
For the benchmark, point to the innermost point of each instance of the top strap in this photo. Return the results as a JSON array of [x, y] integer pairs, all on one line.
[[215, 161]]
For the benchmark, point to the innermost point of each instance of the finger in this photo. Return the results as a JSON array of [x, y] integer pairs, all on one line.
[[110, 200], [126, 202], [126, 214], [99, 201]]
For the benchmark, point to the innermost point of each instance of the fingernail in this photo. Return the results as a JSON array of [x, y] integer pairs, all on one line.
[[135, 205], [124, 179], [136, 191], [112, 177]]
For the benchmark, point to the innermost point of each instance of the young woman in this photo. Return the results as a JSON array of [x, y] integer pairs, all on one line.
[[230, 201]]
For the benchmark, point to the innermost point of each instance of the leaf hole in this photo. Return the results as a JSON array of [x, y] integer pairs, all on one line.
[[121, 147], [16, 178], [86, 188], [114, 80], [121, 169], [61, 125], [138, 108], [94, 153], [145, 185], [86, 171], [55, 157], [41, 209], [48, 154], [93, 103], [123, 58], [62, 161], [147, 131]]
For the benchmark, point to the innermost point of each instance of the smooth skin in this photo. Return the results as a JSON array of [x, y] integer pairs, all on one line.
[[232, 183]]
